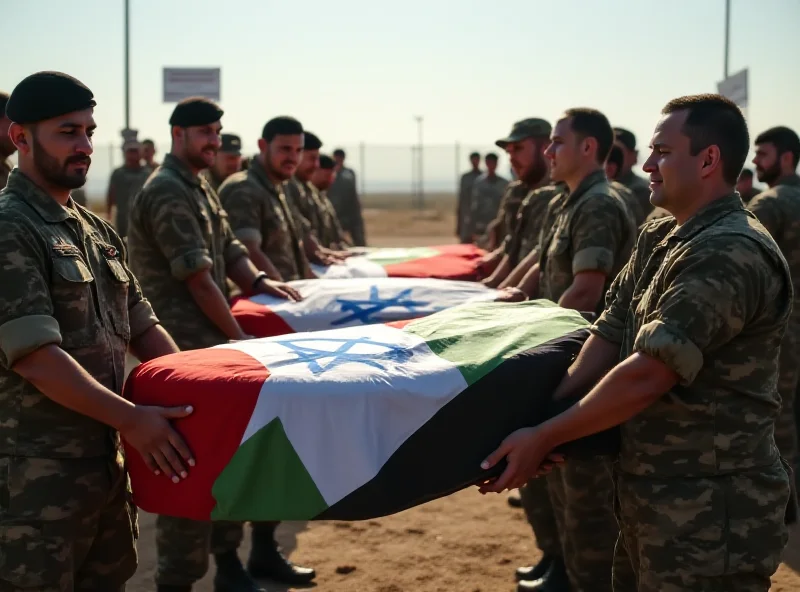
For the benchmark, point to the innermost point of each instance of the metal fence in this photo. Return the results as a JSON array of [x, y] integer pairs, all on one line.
[[406, 173]]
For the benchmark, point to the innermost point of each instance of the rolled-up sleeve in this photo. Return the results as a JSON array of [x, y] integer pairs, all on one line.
[[244, 211], [597, 231], [611, 324], [26, 309]]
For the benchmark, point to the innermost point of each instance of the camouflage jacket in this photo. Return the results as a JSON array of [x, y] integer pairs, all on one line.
[[213, 181], [178, 228], [710, 299], [259, 211], [528, 226], [505, 222], [343, 194], [304, 209], [63, 281], [485, 202], [331, 232], [588, 230], [465, 202], [126, 183], [5, 170], [640, 206]]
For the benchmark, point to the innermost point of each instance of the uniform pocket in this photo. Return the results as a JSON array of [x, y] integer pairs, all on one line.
[[73, 303], [116, 295]]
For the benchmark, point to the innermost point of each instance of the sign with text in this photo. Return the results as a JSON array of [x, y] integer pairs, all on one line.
[[735, 88], [181, 83]]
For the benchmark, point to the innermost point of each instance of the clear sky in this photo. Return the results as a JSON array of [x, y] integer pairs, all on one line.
[[359, 70]]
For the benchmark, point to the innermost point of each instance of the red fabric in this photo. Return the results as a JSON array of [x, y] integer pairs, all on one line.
[[454, 262], [216, 428], [257, 320]]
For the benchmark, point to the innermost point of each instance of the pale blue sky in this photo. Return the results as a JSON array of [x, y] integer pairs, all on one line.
[[359, 70]]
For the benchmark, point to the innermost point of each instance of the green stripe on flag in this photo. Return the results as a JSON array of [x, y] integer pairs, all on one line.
[[477, 339], [392, 256], [265, 480]]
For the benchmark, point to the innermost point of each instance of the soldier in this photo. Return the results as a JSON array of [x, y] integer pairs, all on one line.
[[343, 194], [7, 147], [332, 235], [258, 210], [227, 162], [525, 146], [778, 209], [69, 310], [640, 188], [586, 239], [148, 154], [183, 249], [465, 197], [688, 353], [487, 191], [125, 182], [745, 186]]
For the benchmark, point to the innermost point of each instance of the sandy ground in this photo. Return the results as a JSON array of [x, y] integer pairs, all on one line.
[[466, 542]]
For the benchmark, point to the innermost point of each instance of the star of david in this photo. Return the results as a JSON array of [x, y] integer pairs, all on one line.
[[365, 310], [341, 355]]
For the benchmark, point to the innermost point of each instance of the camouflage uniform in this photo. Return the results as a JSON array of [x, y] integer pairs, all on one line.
[[213, 181], [505, 223], [79, 197], [484, 204], [66, 517], [179, 228], [588, 230], [5, 170], [747, 196], [331, 232], [701, 493], [343, 194], [528, 226], [778, 209], [641, 206], [465, 205], [258, 210], [125, 183], [304, 208]]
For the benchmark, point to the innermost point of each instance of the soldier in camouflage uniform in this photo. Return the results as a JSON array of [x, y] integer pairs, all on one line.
[[148, 154], [778, 209], [125, 182], [332, 235], [640, 188], [343, 194], [487, 191], [614, 164], [7, 147], [464, 206], [586, 239], [227, 162], [183, 249], [69, 311], [688, 352], [259, 213], [745, 186]]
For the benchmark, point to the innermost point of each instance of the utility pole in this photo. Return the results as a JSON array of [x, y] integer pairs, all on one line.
[[420, 158], [727, 35], [127, 67]]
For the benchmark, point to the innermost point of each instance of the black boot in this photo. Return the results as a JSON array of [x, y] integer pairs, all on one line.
[[554, 580], [231, 575], [268, 563], [168, 588], [534, 572], [514, 500]]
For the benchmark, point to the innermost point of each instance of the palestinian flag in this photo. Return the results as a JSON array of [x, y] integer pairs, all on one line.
[[354, 423], [348, 302], [447, 262]]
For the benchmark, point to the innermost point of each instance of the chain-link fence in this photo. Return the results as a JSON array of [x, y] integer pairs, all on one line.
[[387, 175]]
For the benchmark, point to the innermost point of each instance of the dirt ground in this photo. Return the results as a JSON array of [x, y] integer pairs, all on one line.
[[463, 543]]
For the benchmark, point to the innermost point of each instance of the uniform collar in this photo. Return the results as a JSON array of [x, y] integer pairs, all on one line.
[[261, 174], [176, 165], [588, 182], [45, 205], [708, 216], [792, 180]]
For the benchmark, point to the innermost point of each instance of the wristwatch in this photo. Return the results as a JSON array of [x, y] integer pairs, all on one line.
[[261, 275]]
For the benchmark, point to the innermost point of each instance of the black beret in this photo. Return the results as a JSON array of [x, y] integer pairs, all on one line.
[[326, 162], [195, 111], [311, 142], [625, 137], [231, 143], [46, 95], [281, 126]]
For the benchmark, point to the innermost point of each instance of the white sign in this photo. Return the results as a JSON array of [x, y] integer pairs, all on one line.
[[181, 83], [735, 88]]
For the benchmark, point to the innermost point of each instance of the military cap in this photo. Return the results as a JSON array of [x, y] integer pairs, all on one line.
[[195, 111], [46, 95], [231, 144], [326, 162], [311, 142], [625, 137], [527, 128]]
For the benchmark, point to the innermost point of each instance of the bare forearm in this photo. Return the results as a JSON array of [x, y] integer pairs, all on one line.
[[261, 261], [580, 298], [153, 343], [595, 359], [530, 282], [500, 273], [243, 273], [60, 378], [214, 305]]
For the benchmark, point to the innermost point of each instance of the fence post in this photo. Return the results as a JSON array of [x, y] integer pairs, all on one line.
[[362, 163]]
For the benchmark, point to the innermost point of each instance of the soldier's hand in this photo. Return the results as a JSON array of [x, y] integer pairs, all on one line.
[[163, 450], [527, 453], [279, 290], [511, 295]]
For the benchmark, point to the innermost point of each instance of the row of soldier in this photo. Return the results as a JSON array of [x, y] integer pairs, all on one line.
[[566, 228], [696, 309]]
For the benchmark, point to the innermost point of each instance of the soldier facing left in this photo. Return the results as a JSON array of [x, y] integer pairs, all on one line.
[[69, 310]]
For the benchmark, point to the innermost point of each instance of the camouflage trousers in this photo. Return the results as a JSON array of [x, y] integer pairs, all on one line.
[[184, 546], [786, 424], [582, 494], [66, 524], [716, 534], [539, 511]]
